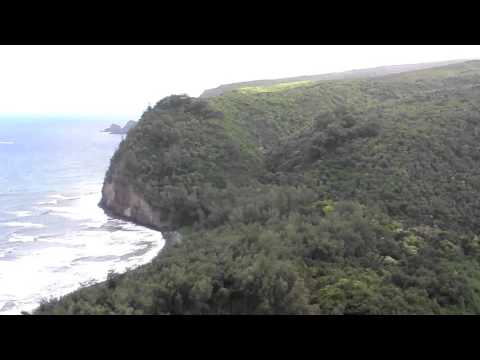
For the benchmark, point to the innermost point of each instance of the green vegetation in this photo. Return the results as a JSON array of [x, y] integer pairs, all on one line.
[[337, 197], [272, 88]]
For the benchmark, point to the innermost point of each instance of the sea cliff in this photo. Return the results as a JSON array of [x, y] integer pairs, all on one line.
[[352, 196]]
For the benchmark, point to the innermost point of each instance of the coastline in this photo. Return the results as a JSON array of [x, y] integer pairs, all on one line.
[[124, 233], [170, 234]]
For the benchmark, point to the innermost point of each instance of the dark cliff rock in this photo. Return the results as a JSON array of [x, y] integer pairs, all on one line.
[[122, 201]]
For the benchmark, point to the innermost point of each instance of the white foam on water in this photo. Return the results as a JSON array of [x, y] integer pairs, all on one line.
[[63, 197], [81, 208], [58, 270], [22, 225], [93, 223], [6, 251], [22, 213], [68, 212], [21, 238], [65, 262], [51, 202]]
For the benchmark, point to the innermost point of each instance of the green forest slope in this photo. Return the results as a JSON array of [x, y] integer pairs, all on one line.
[[333, 197]]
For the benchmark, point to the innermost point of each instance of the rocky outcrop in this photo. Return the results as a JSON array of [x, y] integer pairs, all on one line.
[[117, 129], [122, 201], [114, 129]]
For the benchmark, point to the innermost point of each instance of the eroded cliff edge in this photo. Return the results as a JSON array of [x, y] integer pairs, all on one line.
[[180, 151], [121, 200], [188, 158]]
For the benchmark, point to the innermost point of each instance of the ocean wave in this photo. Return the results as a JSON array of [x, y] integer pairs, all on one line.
[[6, 251], [94, 224], [51, 202], [20, 213], [23, 225], [21, 238], [83, 208], [61, 262], [63, 197], [72, 213], [57, 270]]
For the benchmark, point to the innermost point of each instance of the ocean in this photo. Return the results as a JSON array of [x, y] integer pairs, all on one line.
[[53, 236]]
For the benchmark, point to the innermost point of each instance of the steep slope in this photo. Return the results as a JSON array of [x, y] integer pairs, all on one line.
[[410, 145], [333, 197], [427, 121]]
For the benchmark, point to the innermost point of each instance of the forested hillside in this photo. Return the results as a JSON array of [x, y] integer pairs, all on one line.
[[309, 197]]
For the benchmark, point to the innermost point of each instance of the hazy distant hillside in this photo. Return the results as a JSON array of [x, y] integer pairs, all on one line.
[[351, 196], [352, 74]]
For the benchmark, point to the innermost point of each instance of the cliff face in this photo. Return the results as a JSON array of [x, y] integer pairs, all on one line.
[[177, 152], [123, 201], [180, 165]]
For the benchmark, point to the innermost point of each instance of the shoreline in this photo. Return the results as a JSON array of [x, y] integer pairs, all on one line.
[[169, 234], [168, 237]]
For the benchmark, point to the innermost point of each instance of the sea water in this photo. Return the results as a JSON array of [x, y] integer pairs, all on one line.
[[53, 236]]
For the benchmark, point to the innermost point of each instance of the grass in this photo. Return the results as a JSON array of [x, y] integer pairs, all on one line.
[[273, 88]]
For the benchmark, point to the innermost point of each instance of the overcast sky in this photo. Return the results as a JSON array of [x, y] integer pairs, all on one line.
[[120, 81]]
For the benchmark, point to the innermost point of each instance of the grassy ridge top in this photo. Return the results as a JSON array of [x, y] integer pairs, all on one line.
[[347, 75], [273, 88]]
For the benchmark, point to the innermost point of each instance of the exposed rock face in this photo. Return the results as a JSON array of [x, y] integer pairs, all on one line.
[[121, 200]]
